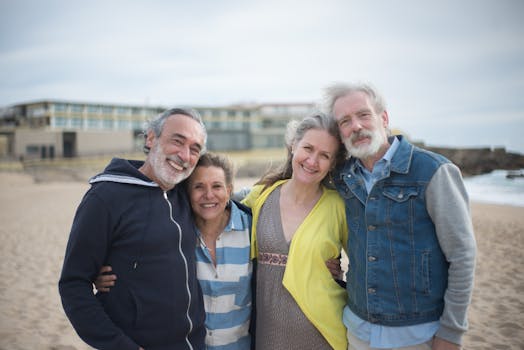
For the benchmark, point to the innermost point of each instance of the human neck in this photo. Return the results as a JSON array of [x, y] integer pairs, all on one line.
[[302, 194], [147, 170], [212, 228]]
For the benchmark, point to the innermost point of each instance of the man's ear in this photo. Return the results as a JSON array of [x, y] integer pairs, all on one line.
[[385, 119], [150, 138]]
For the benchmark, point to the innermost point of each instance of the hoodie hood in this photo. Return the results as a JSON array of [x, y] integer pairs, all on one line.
[[123, 171]]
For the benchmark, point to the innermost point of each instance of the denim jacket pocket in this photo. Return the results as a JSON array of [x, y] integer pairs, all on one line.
[[400, 194]]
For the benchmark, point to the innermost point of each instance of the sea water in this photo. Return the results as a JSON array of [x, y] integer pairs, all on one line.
[[496, 188]]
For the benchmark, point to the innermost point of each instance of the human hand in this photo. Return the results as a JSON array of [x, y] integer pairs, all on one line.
[[105, 281], [441, 344], [334, 268]]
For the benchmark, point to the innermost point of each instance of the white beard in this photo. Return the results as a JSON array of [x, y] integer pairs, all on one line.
[[366, 150], [165, 172]]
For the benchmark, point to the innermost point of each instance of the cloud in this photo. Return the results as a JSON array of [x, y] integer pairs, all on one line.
[[451, 61]]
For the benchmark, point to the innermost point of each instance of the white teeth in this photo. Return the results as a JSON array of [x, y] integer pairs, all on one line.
[[208, 205], [175, 165], [308, 170]]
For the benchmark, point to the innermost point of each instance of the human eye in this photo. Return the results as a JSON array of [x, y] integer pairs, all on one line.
[[344, 122], [195, 151], [177, 141], [365, 115], [326, 156]]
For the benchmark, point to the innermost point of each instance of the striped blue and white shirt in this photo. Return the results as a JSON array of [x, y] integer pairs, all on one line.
[[227, 286]]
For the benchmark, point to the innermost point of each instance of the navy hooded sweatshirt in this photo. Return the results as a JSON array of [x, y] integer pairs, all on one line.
[[147, 236]]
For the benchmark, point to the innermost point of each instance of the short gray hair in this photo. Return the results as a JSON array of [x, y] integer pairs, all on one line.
[[156, 124], [337, 90]]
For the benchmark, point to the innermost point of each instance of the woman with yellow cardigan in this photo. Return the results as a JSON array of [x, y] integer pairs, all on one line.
[[299, 223]]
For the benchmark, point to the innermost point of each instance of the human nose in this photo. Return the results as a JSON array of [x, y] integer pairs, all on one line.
[[356, 125], [184, 153], [312, 159], [208, 193]]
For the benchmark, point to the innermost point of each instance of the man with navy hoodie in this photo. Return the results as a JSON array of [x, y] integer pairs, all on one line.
[[137, 220]]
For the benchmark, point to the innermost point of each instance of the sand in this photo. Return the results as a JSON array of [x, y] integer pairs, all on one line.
[[36, 219]]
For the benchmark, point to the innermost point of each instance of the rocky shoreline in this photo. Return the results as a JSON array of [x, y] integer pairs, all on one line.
[[477, 161]]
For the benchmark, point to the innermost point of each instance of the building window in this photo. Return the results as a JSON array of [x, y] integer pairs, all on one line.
[[92, 123], [77, 108], [60, 122], [76, 122], [107, 124], [93, 109], [60, 107]]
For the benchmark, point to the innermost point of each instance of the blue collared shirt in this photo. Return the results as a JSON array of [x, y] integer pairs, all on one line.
[[226, 286], [377, 335]]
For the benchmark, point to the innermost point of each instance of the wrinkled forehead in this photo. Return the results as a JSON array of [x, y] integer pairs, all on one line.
[[351, 103], [183, 126]]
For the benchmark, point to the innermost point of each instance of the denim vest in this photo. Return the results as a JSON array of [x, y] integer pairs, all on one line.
[[397, 271]]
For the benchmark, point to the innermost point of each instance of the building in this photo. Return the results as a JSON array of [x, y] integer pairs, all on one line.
[[56, 128]]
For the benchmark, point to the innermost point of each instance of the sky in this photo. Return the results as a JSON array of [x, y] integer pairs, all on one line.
[[451, 71]]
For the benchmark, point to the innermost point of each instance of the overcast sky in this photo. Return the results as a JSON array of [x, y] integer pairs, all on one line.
[[452, 71]]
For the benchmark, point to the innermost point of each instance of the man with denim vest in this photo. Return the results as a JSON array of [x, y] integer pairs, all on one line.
[[411, 245]]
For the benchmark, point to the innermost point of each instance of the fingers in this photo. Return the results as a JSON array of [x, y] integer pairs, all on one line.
[[105, 269], [103, 283]]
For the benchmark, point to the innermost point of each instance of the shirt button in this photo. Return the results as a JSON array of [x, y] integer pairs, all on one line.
[[400, 196], [372, 258], [371, 228], [372, 290]]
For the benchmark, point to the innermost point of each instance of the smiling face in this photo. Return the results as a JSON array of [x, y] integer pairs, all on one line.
[[175, 152], [313, 156], [209, 192], [363, 130]]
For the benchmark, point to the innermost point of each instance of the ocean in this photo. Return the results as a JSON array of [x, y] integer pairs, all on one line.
[[495, 188]]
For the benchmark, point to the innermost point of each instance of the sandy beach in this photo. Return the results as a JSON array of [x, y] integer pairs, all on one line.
[[36, 219]]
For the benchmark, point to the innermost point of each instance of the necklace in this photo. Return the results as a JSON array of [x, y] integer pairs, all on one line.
[[203, 243]]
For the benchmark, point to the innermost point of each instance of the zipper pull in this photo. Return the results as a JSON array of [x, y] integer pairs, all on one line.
[[135, 264]]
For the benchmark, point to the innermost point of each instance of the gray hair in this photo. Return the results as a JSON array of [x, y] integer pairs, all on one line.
[[294, 133], [335, 91], [156, 124]]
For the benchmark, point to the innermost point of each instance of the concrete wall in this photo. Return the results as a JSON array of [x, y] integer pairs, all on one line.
[[28, 143], [37, 143], [103, 142]]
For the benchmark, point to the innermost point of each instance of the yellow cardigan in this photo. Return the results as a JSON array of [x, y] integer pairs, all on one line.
[[320, 237]]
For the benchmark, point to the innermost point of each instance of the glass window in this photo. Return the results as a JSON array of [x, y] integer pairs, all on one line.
[[60, 107], [77, 108], [92, 123], [60, 122], [107, 124], [93, 109], [76, 122]]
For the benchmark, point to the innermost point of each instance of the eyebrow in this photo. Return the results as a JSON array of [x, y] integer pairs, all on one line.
[[178, 135]]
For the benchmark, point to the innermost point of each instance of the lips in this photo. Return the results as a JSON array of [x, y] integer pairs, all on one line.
[[308, 170], [176, 165], [208, 205]]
